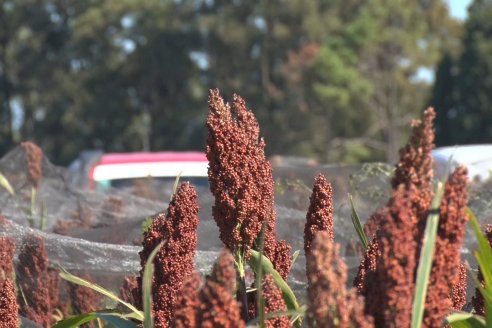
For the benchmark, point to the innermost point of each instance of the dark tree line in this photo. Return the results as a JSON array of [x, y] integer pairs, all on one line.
[[335, 80]]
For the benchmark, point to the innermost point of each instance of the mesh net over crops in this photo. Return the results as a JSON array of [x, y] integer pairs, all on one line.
[[98, 233]]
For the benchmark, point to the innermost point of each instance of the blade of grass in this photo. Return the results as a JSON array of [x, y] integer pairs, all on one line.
[[79, 281], [176, 182], [465, 320], [294, 258], [115, 319], [147, 288], [267, 267], [289, 313], [260, 300], [357, 225], [425, 261], [6, 184], [484, 259], [44, 216]]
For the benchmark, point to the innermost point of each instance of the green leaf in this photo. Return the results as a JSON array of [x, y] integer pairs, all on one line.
[[294, 257], [44, 216], [484, 259], [176, 182], [76, 321], [79, 281], [6, 184], [260, 300], [267, 267], [147, 288], [425, 261], [465, 320], [117, 320], [114, 318], [357, 225], [276, 314]]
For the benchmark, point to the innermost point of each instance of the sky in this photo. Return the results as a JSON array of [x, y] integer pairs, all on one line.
[[458, 8]]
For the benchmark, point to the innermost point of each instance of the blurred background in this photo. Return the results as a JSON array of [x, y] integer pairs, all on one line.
[[337, 81]]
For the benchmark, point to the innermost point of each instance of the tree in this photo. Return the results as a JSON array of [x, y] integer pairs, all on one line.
[[463, 86]]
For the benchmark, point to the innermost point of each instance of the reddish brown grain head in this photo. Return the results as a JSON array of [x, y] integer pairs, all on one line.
[[447, 255], [9, 317], [320, 213], [458, 290], [127, 287], [365, 279], [414, 168], [241, 180], [7, 251], [34, 159], [218, 308], [330, 304], [391, 303], [223, 272], [188, 303], [415, 165], [175, 261], [33, 279], [274, 303], [84, 299], [209, 305]]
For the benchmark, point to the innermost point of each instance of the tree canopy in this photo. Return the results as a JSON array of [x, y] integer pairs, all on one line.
[[334, 80]]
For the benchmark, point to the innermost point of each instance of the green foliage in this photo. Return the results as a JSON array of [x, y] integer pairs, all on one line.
[[484, 259], [147, 288], [463, 89], [357, 225], [329, 79], [267, 267], [6, 184]]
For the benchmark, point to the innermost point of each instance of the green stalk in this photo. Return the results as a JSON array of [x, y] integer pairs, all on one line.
[[241, 295]]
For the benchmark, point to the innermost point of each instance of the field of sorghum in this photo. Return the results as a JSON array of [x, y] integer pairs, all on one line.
[[411, 273]]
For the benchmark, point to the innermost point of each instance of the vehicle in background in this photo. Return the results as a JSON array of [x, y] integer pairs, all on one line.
[[100, 171], [477, 158]]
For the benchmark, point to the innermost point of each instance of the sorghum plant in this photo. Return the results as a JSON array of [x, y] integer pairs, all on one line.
[[477, 299], [33, 279], [213, 304], [175, 260], [330, 304], [241, 181]]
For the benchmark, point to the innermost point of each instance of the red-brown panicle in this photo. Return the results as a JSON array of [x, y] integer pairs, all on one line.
[[126, 289], [7, 251], [364, 282], [447, 253], [223, 272], [458, 290], [9, 317], [414, 168], [188, 303], [175, 260], [477, 300], [34, 158], [330, 304], [391, 306], [241, 180], [274, 302], [211, 306], [84, 299], [320, 213], [33, 279], [218, 308]]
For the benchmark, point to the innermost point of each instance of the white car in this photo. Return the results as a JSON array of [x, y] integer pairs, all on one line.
[[477, 158]]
